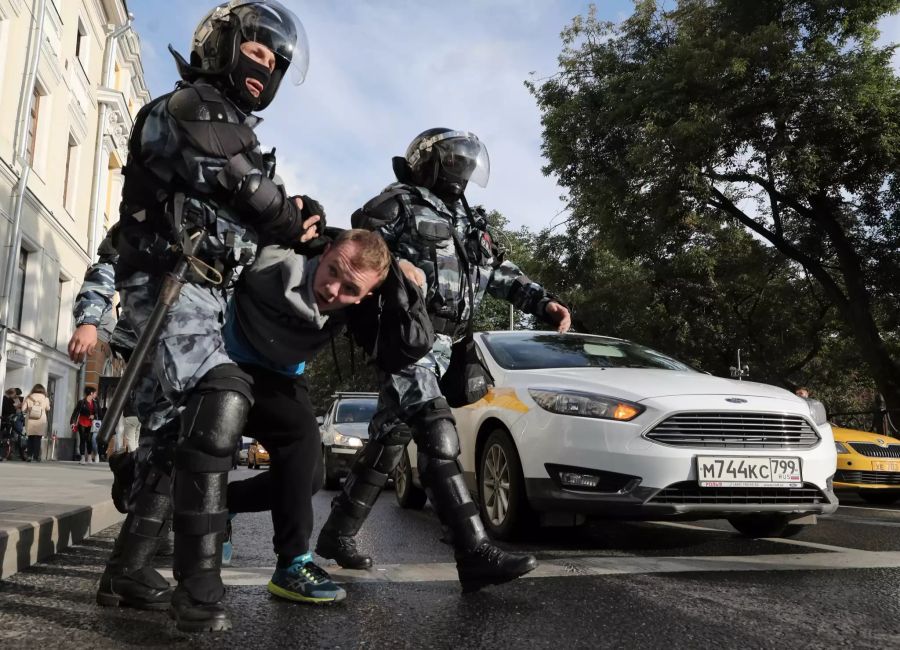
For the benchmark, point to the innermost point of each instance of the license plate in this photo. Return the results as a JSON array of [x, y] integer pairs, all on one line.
[[885, 466], [736, 471]]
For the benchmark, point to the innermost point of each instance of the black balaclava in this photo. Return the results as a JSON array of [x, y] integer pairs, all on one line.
[[247, 68], [448, 191]]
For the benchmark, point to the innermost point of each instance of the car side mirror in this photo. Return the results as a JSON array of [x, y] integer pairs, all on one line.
[[320, 419]]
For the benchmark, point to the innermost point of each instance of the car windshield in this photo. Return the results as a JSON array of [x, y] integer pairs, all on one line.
[[357, 410], [547, 350]]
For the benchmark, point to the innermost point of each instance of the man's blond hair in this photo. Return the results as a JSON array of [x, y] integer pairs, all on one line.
[[372, 253]]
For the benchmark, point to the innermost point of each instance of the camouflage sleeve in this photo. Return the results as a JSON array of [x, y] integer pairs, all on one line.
[[94, 299], [508, 282]]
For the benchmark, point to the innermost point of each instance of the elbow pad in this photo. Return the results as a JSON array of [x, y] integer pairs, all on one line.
[[259, 200]]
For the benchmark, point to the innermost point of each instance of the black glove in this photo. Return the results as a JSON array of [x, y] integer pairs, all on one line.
[[316, 245], [311, 207]]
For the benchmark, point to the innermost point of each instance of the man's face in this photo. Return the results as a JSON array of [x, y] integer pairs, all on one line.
[[261, 55], [339, 282]]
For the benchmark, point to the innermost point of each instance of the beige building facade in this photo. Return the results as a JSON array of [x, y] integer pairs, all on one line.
[[71, 82]]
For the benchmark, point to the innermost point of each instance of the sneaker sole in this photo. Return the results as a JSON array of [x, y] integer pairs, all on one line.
[[281, 592]]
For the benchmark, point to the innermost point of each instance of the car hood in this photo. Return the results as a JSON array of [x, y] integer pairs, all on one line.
[[854, 435], [353, 429], [637, 384]]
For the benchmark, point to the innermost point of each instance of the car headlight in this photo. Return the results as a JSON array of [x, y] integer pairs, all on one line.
[[587, 405], [347, 441], [260, 449], [841, 448], [817, 411]]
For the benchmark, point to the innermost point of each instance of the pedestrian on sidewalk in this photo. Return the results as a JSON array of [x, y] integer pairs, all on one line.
[[82, 422], [35, 408]]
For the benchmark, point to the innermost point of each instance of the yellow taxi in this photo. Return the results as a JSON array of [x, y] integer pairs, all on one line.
[[868, 463], [257, 455]]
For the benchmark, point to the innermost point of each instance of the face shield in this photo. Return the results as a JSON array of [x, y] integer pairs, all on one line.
[[278, 28], [463, 157]]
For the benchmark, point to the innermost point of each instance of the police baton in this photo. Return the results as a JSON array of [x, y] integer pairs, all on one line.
[[173, 281]]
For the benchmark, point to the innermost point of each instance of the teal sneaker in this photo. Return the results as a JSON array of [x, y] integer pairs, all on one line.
[[306, 582], [227, 546]]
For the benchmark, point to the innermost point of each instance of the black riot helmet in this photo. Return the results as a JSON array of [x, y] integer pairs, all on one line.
[[216, 48], [445, 161]]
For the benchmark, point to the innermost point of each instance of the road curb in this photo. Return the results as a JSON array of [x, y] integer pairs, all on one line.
[[32, 532]]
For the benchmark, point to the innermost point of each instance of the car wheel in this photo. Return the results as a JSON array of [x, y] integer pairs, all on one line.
[[879, 498], [501, 488], [765, 525], [408, 495]]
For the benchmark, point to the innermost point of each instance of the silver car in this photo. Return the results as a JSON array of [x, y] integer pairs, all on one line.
[[345, 430]]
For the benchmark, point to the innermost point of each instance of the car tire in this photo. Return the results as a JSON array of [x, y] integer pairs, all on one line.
[[879, 498], [408, 495], [500, 481], [765, 525]]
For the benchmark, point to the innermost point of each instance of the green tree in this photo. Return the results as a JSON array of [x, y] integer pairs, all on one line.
[[781, 116]]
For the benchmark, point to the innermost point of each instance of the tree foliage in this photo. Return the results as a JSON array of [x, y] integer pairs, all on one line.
[[732, 153]]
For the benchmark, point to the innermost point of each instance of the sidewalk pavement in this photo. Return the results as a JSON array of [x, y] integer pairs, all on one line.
[[46, 507]]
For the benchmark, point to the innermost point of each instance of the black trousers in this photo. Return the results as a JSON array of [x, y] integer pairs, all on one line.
[[34, 447], [85, 443], [283, 420]]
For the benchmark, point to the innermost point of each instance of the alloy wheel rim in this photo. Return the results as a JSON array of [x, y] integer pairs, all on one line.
[[495, 484]]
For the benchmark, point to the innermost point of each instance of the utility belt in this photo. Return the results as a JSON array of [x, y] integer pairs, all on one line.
[[152, 241]]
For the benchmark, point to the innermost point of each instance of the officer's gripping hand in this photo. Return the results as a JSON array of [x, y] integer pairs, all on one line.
[[413, 272], [559, 315], [313, 215], [83, 342]]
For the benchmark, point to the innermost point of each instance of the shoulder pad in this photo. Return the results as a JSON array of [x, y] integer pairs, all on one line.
[[379, 210], [201, 103], [210, 122]]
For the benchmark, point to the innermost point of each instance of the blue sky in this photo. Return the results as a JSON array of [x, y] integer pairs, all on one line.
[[381, 71]]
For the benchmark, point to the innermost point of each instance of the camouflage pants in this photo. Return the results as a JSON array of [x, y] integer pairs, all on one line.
[[189, 345], [403, 394]]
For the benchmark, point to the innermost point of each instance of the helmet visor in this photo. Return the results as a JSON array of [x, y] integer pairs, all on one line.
[[278, 28], [463, 158]]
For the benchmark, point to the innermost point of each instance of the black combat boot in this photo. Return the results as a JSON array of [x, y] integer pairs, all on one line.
[[129, 579], [341, 548], [488, 565], [349, 509], [478, 562]]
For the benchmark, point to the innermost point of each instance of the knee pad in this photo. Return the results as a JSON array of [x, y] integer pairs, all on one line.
[[379, 456], [213, 420], [438, 439]]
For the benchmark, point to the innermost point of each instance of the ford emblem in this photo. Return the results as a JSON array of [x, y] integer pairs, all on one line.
[[736, 400]]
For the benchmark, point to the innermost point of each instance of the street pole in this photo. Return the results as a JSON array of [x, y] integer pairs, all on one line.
[[29, 82]]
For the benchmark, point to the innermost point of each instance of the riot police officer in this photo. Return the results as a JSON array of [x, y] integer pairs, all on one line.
[[426, 221], [196, 184]]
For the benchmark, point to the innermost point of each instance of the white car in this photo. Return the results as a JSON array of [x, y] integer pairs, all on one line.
[[345, 432], [595, 426]]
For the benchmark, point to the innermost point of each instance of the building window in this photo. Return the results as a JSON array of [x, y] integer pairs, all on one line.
[[81, 43], [70, 171], [60, 293], [31, 134], [20, 289]]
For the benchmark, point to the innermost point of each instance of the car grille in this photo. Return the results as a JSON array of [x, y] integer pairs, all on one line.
[[867, 478], [872, 450], [688, 492], [734, 430]]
